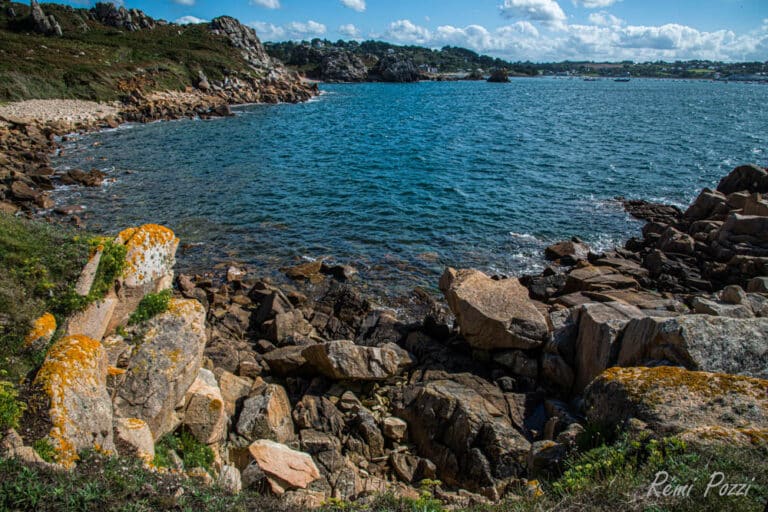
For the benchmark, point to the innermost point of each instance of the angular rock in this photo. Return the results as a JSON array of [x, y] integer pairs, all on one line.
[[233, 390], [395, 428], [599, 329], [267, 415], [74, 378], [699, 342], [136, 434], [493, 314], [285, 468], [747, 177], [230, 480], [286, 361], [674, 400], [204, 413], [318, 413], [343, 360], [758, 285], [163, 367], [567, 253], [94, 320]]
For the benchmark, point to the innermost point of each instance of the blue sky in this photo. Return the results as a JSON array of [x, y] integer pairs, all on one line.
[[515, 29]]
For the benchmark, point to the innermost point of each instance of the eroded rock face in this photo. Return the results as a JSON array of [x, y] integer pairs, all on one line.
[[673, 400], [285, 468], [493, 314], [395, 68], [470, 440], [341, 66], [343, 360], [699, 342], [245, 39], [74, 377], [163, 366], [267, 415]]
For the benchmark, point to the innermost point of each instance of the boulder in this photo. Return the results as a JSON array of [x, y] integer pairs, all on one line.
[[747, 177], [74, 378], [286, 361], [204, 412], [233, 390], [150, 257], [758, 285], [94, 320], [318, 413], [599, 328], [163, 366], [343, 360], [41, 333], [493, 314], [230, 480], [136, 434], [499, 76], [285, 468], [470, 439], [267, 415], [674, 400], [699, 342], [567, 253], [395, 428]]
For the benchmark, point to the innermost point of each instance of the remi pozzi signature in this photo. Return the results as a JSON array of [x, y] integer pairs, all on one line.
[[717, 485]]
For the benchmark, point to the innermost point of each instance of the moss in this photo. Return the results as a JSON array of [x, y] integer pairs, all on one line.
[[151, 305], [45, 449]]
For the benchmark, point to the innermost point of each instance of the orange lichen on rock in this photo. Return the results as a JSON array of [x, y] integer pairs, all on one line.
[[150, 254], [644, 381], [42, 331], [73, 377]]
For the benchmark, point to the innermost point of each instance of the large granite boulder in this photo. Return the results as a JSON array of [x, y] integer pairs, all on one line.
[[343, 360], [746, 177], [267, 415], [596, 346], [74, 378], [672, 400], [204, 412], [469, 438], [698, 342], [285, 468], [163, 367], [493, 314]]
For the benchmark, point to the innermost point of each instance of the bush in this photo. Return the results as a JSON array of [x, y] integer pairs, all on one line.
[[10, 408], [150, 306]]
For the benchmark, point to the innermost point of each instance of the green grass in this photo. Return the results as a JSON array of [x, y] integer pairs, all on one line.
[[45, 449], [100, 63], [11, 408], [151, 305]]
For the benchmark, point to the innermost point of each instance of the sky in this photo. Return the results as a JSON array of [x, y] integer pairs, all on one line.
[[536, 30]]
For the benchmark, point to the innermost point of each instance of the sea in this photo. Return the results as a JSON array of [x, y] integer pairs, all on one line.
[[402, 180]]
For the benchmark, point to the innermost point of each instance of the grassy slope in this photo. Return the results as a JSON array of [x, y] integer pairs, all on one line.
[[93, 65]]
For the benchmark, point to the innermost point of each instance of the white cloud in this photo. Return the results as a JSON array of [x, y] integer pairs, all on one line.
[[355, 5], [605, 19], [547, 11], [189, 20], [185, 2], [405, 31], [310, 28], [350, 31], [269, 4], [267, 31], [596, 4]]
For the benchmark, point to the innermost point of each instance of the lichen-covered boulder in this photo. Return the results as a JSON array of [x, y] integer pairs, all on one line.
[[267, 415], [149, 260], [343, 360], [136, 435], [493, 314], [41, 333], [74, 377], [163, 367], [672, 400], [204, 413], [285, 468], [699, 342]]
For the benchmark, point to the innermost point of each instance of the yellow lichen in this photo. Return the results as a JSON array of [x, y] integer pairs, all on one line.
[[114, 372], [43, 327], [139, 240], [67, 361]]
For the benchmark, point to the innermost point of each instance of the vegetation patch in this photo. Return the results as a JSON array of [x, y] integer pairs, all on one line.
[[193, 453], [151, 305], [11, 408]]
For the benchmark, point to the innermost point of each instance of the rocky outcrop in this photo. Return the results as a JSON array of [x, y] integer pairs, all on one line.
[[698, 342], [341, 66], [395, 68], [163, 367], [43, 24], [674, 400], [74, 379], [499, 76], [493, 314], [244, 39], [111, 15]]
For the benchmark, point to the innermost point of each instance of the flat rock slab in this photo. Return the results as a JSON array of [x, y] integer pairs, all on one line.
[[285, 468], [493, 314], [343, 360]]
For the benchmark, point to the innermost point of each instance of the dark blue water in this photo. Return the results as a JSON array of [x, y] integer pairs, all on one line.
[[401, 180]]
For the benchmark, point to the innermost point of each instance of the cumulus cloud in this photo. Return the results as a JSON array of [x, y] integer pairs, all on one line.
[[268, 31], [185, 2], [405, 31], [189, 20], [595, 4], [293, 30], [305, 29], [547, 11], [355, 5], [269, 4], [350, 31], [604, 19]]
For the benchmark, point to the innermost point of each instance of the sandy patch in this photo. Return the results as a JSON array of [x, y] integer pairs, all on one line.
[[71, 111]]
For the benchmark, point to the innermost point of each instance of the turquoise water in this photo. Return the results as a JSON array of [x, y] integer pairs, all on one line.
[[401, 180]]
